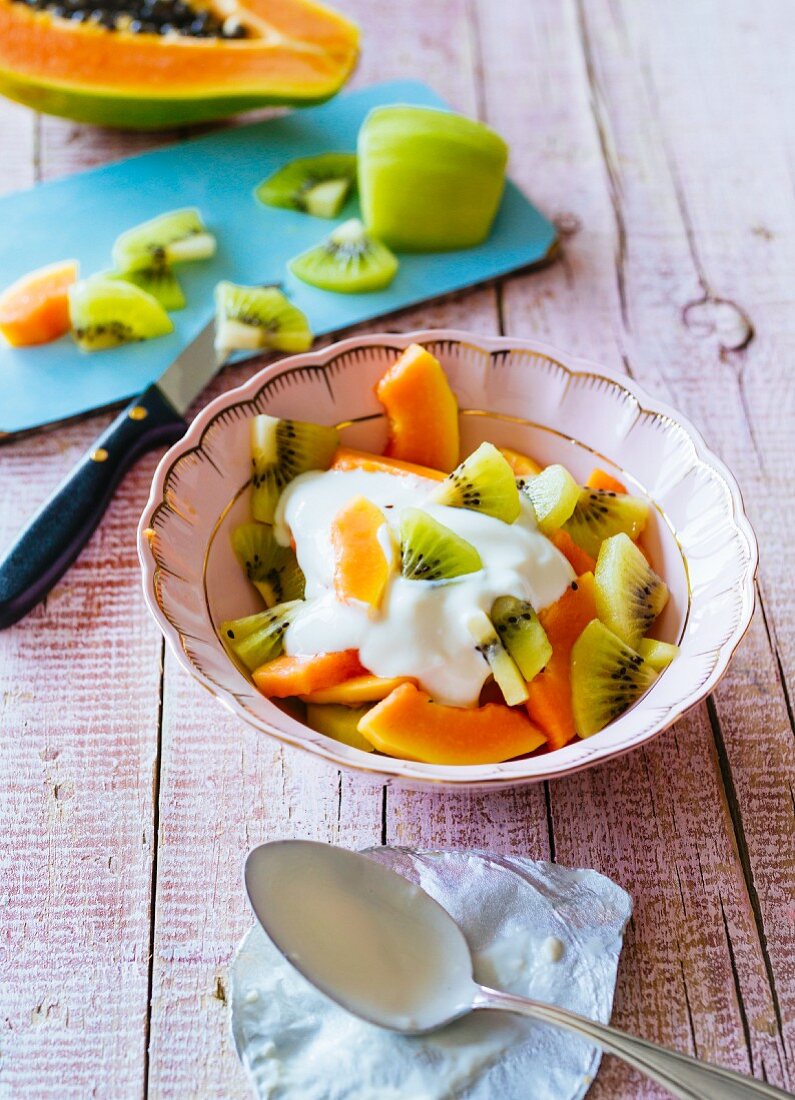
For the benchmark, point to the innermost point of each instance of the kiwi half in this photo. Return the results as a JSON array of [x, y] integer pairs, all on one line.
[[629, 594], [105, 313], [280, 451], [484, 482], [522, 634], [176, 237], [315, 185], [607, 677], [252, 317], [258, 638], [272, 569], [600, 513], [554, 494], [504, 669], [348, 261], [657, 654], [429, 551]]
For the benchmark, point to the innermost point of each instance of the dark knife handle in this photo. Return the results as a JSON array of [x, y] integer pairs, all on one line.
[[63, 525]]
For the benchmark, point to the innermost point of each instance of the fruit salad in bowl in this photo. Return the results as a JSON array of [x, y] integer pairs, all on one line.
[[452, 561]]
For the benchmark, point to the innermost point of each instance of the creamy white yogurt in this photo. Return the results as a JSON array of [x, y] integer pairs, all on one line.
[[420, 629]]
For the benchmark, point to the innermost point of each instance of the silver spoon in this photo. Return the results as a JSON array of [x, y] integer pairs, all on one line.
[[383, 949]]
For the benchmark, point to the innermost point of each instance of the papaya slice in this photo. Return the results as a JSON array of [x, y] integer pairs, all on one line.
[[409, 725], [601, 479], [358, 690], [35, 309], [519, 463], [421, 409], [257, 52], [348, 459], [306, 674], [579, 559], [361, 568], [549, 699]]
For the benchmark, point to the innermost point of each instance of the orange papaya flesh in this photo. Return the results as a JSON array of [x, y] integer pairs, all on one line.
[[304, 675], [519, 463], [346, 458], [358, 690], [579, 559], [549, 694], [361, 569], [409, 725], [421, 410], [295, 52], [35, 309], [601, 479]]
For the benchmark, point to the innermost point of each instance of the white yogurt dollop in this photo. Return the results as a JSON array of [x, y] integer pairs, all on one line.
[[420, 629]]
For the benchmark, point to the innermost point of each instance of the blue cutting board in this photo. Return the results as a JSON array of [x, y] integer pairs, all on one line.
[[80, 217]]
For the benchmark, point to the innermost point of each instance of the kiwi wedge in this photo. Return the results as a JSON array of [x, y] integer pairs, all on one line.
[[484, 482], [629, 594], [504, 669], [339, 722], [248, 318], [258, 638], [554, 494], [177, 237], [600, 513], [348, 261], [280, 451], [657, 654], [522, 634], [272, 569], [429, 551], [315, 185], [160, 282], [607, 677], [105, 313]]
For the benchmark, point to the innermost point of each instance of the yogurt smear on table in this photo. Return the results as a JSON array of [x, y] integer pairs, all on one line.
[[420, 629]]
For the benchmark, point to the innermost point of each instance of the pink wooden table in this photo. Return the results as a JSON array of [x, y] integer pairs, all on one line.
[[658, 137]]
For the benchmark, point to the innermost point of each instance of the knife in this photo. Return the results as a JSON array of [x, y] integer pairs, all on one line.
[[63, 525]]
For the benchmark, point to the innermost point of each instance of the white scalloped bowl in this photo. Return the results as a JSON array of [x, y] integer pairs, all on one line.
[[513, 392]]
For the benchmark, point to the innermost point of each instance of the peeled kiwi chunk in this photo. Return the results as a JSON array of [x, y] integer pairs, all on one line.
[[176, 237], [607, 677], [258, 638], [484, 482], [315, 185], [600, 513], [248, 318], [554, 494], [348, 261], [280, 451], [504, 669], [105, 313], [272, 569], [629, 594], [657, 654], [522, 634], [429, 551]]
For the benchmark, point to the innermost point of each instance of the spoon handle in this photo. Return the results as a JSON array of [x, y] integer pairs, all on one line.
[[684, 1077]]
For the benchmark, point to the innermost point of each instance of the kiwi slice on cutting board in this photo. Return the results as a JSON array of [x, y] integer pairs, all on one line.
[[280, 451], [315, 185], [504, 669], [429, 551], [657, 654], [272, 569], [160, 282], [248, 318], [177, 237], [600, 513], [607, 677], [522, 634], [339, 722], [258, 638], [484, 482], [629, 594], [105, 313], [554, 494], [348, 261]]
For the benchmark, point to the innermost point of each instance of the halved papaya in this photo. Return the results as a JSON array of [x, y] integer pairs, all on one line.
[[123, 64], [421, 409], [346, 458], [409, 725]]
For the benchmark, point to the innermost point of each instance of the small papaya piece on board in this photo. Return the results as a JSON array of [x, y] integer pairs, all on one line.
[[361, 568], [519, 463], [601, 479], [35, 309], [580, 560], [346, 458], [303, 675], [421, 409], [409, 725]]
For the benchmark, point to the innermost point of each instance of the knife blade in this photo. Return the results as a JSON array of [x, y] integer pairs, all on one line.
[[60, 529]]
